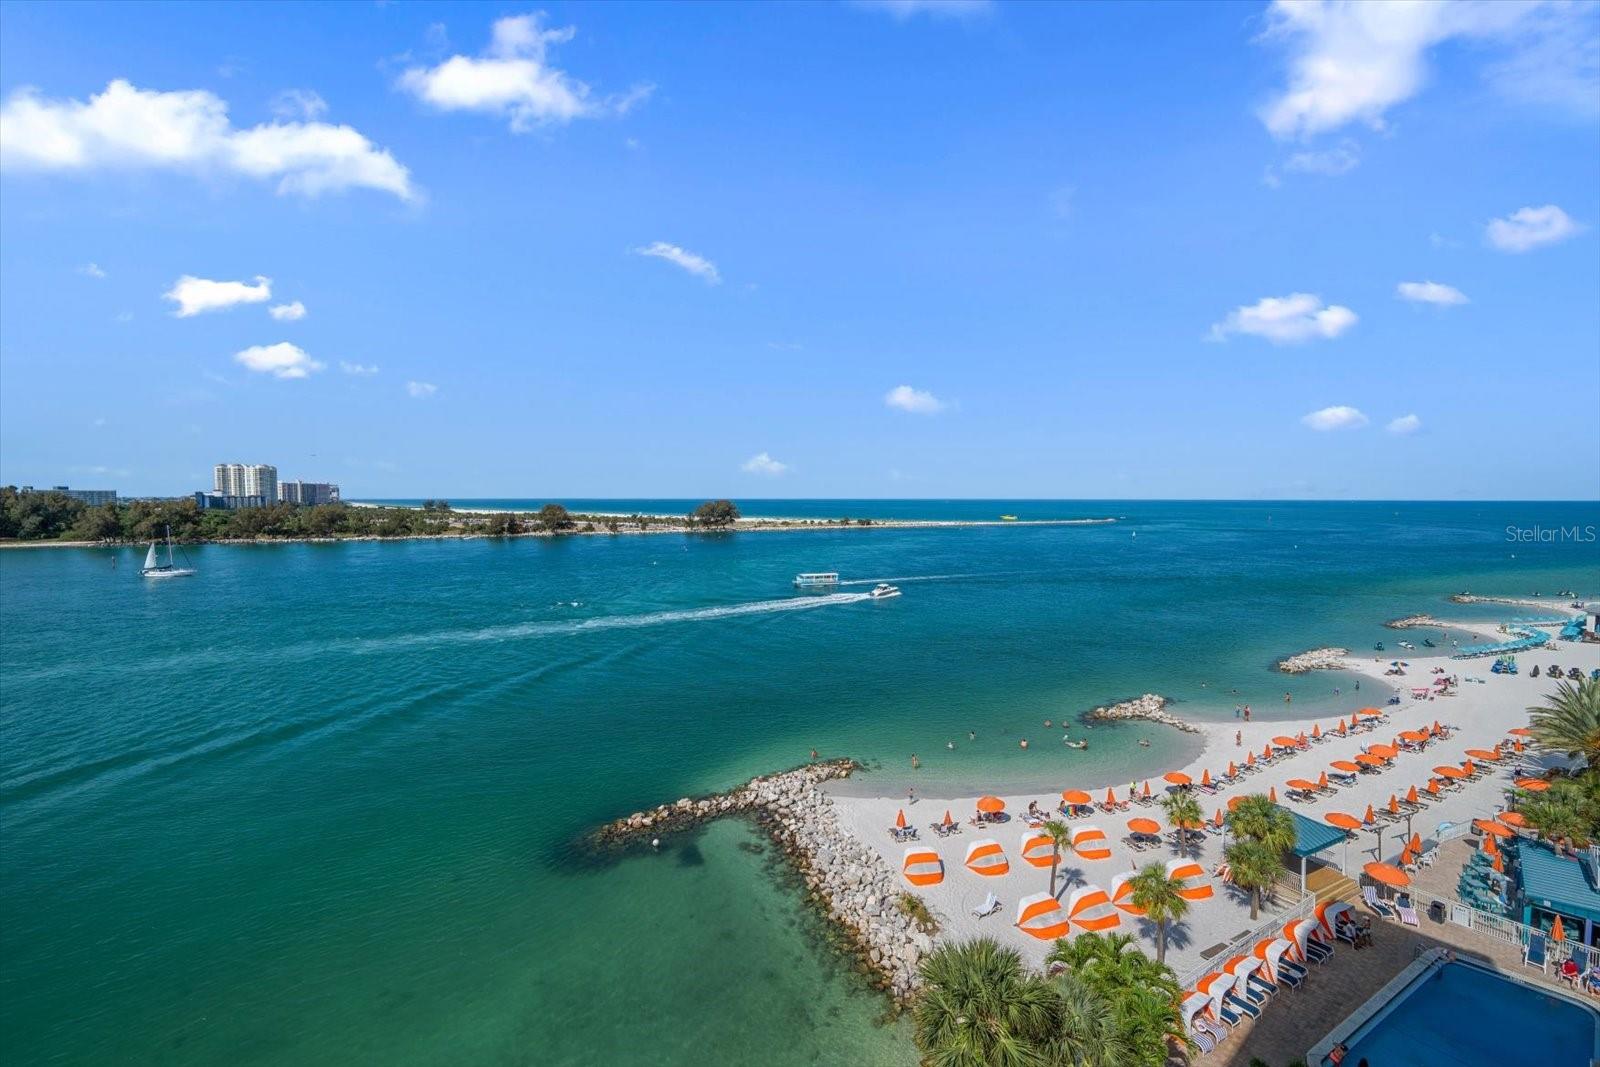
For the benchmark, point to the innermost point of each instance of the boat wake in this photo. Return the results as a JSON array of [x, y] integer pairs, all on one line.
[[912, 578]]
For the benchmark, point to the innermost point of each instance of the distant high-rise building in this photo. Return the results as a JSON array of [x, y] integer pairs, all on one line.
[[245, 481], [298, 492]]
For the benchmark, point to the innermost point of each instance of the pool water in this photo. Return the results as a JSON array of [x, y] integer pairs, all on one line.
[[1464, 1016]]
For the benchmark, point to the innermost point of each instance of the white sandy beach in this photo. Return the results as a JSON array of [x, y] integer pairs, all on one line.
[[1481, 711]]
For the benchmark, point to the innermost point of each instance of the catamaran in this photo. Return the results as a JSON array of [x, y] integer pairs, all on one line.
[[154, 568], [816, 579]]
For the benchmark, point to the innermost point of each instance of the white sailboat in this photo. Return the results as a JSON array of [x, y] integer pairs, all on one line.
[[154, 568]]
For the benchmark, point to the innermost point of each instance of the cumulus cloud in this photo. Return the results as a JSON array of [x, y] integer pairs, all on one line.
[[299, 104], [1405, 424], [362, 369], [1430, 293], [697, 265], [901, 10], [763, 464], [1286, 319], [1530, 227], [196, 295], [290, 312], [282, 360], [419, 390], [1338, 417], [514, 79], [1353, 60], [92, 270], [128, 128], [916, 401]]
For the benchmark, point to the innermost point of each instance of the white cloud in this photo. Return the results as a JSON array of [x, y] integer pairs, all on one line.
[[916, 401], [127, 128], [420, 390], [363, 369], [901, 10], [1528, 228], [299, 104], [1330, 162], [513, 79], [290, 312], [1405, 424], [1430, 293], [1286, 319], [697, 265], [195, 295], [1335, 418], [92, 270], [761, 463], [1353, 60], [282, 360]]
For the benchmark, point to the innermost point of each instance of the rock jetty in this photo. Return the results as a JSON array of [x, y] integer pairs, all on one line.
[[1318, 659], [1150, 707], [1413, 620], [851, 883]]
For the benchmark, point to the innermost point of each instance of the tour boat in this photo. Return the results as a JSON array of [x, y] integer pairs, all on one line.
[[883, 591], [816, 579], [153, 568]]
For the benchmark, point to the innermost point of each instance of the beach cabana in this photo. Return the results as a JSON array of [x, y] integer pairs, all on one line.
[[986, 857], [1089, 843], [1193, 1005], [1216, 986], [1041, 915], [1241, 967], [922, 866], [1193, 877], [1328, 913], [1298, 932], [1037, 848], [1270, 952], [1122, 893], [1090, 909]]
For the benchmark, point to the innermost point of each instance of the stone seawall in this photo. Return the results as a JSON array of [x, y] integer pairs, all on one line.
[[1150, 707], [1318, 659], [850, 882], [1413, 620]]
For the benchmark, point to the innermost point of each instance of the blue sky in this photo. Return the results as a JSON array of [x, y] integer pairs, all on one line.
[[804, 250]]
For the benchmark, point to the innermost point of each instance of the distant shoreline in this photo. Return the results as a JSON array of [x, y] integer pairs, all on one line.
[[761, 525]]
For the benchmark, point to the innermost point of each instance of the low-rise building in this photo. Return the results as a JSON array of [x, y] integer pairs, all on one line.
[[92, 497], [227, 501]]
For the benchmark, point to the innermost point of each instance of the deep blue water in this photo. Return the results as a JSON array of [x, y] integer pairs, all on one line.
[[316, 804]]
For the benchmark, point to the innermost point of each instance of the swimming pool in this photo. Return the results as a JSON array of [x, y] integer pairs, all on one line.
[[1462, 1015]]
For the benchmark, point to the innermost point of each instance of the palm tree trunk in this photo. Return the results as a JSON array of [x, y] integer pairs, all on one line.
[[1255, 904], [1055, 858], [1161, 942]]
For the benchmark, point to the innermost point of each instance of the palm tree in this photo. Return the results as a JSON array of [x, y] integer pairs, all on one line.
[[1252, 866], [1182, 809], [1143, 995], [980, 1008], [1060, 840], [1256, 818], [1156, 892], [1569, 720], [1087, 1032], [1151, 1024]]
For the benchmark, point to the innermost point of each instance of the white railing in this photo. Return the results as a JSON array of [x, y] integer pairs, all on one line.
[[1499, 928], [1243, 946]]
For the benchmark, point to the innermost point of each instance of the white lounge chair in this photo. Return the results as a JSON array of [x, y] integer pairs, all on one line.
[[990, 905], [1408, 914], [1369, 894]]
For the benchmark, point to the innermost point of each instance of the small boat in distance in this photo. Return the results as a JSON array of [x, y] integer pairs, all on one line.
[[1008, 518], [883, 591], [154, 568], [816, 579]]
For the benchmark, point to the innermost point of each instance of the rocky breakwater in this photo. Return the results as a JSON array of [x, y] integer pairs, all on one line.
[[1318, 659], [1150, 707], [1413, 620], [850, 882]]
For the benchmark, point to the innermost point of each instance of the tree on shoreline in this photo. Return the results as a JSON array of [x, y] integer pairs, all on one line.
[[554, 518], [715, 513]]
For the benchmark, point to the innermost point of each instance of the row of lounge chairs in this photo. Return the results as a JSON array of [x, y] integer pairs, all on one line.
[[1246, 1000]]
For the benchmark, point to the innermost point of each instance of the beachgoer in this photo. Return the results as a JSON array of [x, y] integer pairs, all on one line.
[[655, 843], [1288, 698], [1358, 687], [1023, 743], [1238, 739], [915, 762], [911, 795], [971, 736], [1337, 1054], [950, 745], [813, 753], [1247, 713], [1237, 710]]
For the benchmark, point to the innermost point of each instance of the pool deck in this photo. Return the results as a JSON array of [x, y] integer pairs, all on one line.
[[1292, 1023]]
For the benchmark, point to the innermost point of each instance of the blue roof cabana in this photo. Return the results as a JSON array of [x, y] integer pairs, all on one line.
[[1559, 886]]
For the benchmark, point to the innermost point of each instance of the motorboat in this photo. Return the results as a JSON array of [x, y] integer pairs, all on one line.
[[883, 591]]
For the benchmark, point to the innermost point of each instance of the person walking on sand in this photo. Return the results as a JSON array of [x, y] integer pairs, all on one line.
[[911, 794], [1247, 713], [1238, 739]]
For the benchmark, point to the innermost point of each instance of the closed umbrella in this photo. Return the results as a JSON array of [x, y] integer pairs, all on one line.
[[900, 818], [1205, 777], [1249, 759], [1147, 787], [1272, 794], [948, 821], [1369, 818], [1316, 729], [1322, 780], [1411, 795], [1557, 931], [1111, 797], [1233, 769]]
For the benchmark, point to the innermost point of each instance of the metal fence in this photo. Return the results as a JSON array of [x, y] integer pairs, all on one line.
[[1246, 943]]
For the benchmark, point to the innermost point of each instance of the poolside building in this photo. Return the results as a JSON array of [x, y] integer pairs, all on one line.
[[1553, 885], [1311, 839]]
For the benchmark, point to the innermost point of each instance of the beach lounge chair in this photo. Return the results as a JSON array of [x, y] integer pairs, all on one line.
[[1369, 894], [990, 905], [1317, 952], [1240, 1004], [1408, 914], [1290, 975], [1535, 955], [1259, 984], [1202, 1039], [1218, 1031], [1229, 1014]]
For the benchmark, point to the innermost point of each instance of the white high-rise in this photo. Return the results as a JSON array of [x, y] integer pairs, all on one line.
[[246, 480]]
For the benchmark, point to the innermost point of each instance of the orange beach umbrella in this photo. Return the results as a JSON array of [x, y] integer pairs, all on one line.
[[1144, 826], [948, 821], [1345, 765], [1433, 786], [1322, 780], [1147, 787], [1285, 742], [1266, 751], [1111, 797], [1216, 820], [1341, 728], [991, 804], [1498, 864], [1416, 843], [1249, 759], [1411, 795], [1177, 778], [1369, 760], [1233, 802], [1488, 847], [1394, 804], [1384, 751], [1371, 713], [1533, 785], [1512, 818], [1520, 731], [1233, 769], [1301, 783], [1205, 777], [1272, 794], [1076, 796], [1446, 771], [1316, 729], [1418, 736], [1388, 874], [1484, 754], [1467, 766], [1494, 829], [1342, 821]]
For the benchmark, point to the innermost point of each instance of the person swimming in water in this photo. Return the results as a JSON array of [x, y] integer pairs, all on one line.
[[950, 745], [1144, 742], [1023, 743]]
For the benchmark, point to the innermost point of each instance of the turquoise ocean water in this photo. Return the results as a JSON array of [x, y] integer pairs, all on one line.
[[317, 804]]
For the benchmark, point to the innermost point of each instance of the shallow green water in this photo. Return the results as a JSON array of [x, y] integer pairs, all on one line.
[[316, 805]]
